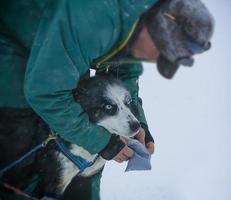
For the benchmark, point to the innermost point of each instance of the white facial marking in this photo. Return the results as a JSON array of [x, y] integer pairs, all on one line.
[[119, 123]]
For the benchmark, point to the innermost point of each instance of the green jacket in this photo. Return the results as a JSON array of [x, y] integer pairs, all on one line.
[[60, 41]]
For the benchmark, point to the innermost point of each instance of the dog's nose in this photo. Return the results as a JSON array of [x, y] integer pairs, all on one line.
[[134, 126]]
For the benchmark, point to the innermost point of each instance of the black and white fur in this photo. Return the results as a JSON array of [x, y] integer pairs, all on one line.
[[108, 104]]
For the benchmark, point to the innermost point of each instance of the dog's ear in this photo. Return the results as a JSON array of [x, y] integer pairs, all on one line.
[[78, 93], [81, 90], [94, 114]]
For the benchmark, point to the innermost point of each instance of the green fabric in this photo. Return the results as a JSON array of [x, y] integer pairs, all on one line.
[[22, 18], [61, 39], [95, 186], [12, 69]]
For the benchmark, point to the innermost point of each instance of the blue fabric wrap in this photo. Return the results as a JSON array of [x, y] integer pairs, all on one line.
[[141, 159]]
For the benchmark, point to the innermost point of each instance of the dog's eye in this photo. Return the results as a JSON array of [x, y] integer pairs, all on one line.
[[108, 107]]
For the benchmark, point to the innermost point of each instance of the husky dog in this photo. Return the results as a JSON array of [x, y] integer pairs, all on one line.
[[108, 104]]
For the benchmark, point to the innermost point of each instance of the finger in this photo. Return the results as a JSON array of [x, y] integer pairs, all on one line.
[[128, 152], [150, 150], [123, 157], [141, 136], [150, 147], [118, 160], [120, 157], [142, 140]]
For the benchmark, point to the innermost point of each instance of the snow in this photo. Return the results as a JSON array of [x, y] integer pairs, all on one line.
[[190, 119]]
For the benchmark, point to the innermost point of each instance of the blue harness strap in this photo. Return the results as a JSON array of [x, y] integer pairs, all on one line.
[[80, 162], [27, 155], [16, 162]]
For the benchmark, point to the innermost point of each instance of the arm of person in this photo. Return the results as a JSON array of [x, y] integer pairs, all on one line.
[[55, 65]]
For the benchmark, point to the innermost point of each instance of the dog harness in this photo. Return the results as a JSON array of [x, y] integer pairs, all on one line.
[[43, 144], [80, 162]]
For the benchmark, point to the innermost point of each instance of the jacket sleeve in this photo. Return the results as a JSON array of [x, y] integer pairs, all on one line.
[[129, 74], [55, 66]]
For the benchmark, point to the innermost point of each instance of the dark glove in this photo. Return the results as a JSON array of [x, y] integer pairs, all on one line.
[[114, 146]]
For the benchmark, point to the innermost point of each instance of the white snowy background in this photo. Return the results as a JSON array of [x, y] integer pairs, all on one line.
[[190, 119]]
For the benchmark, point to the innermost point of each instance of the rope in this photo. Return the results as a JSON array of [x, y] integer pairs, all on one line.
[[80, 162], [27, 155], [17, 191]]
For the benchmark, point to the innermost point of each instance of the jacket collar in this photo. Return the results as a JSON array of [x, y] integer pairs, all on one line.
[[131, 10]]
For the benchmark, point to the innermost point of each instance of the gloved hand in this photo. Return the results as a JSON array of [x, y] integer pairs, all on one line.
[[116, 149]]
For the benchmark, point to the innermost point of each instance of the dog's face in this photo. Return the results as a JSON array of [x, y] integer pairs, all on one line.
[[108, 104]]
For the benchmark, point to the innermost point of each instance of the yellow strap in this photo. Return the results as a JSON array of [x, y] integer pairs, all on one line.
[[170, 16], [50, 137], [120, 47]]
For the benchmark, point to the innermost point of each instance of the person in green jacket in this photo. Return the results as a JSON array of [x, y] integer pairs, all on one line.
[[46, 47]]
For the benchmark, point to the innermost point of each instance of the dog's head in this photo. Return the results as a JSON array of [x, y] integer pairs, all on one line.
[[108, 104]]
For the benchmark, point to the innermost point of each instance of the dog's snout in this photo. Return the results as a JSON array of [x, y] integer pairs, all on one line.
[[134, 125]]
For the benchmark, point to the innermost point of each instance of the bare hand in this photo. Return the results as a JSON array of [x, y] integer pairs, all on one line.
[[141, 136], [150, 146], [125, 154]]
